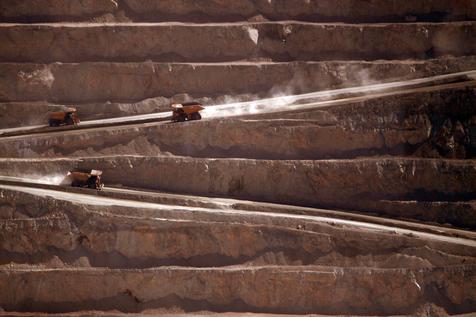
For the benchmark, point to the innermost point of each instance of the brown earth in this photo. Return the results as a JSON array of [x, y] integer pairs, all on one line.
[[395, 169], [235, 289], [92, 82], [283, 41], [346, 184], [238, 10], [94, 235], [425, 124]]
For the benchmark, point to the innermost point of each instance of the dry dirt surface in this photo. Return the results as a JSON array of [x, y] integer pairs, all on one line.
[[333, 171]]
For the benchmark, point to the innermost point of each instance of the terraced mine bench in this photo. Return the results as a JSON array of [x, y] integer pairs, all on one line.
[[326, 203]]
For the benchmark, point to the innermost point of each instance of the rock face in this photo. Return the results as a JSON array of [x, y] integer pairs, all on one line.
[[224, 215], [29, 10], [397, 128], [284, 41], [133, 242], [345, 184], [92, 82], [232, 289], [238, 10]]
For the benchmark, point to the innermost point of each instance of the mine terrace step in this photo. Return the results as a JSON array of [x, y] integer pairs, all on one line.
[[92, 82], [412, 208], [86, 231], [283, 41], [236, 10], [23, 117], [346, 184], [409, 123], [265, 289]]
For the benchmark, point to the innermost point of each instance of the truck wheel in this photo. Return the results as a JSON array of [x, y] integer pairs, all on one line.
[[181, 118], [92, 182], [196, 116]]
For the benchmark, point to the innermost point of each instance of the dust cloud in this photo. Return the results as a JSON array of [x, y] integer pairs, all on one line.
[[54, 179], [281, 102]]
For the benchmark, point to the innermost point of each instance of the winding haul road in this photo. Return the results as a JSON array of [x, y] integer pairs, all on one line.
[[225, 208], [303, 102], [49, 185]]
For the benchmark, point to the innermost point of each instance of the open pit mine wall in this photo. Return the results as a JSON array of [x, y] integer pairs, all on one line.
[[106, 239], [60, 232], [387, 291], [108, 235], [436, 124], [237, 10], [36, 228], [333, 183], [92, 82], [283, 41], [24, 113]]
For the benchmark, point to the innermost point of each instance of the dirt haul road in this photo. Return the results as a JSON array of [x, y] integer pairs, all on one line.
[[333, 172], [116, 250], [308, 101], [230, 207]]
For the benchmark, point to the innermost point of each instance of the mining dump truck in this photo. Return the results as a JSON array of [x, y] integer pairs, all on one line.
[[87, 180], [67, 117], [186, 111]]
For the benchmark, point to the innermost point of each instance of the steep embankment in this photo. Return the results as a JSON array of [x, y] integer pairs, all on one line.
[[406, 152]]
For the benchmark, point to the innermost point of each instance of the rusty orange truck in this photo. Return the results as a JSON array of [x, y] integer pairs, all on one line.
[[90, 179], [66, 117], [186, 111]]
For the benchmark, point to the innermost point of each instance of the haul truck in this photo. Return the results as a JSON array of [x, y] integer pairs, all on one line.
[[67, 117], [186, 111], [87, 179]]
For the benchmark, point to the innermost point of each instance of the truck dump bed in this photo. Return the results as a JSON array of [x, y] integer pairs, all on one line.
[[80, 176], [58, 115], [186, 111], [85, 179], [189, 107]]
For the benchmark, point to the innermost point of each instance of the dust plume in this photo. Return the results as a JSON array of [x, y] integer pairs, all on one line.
[[53, 179], [282, 102]]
